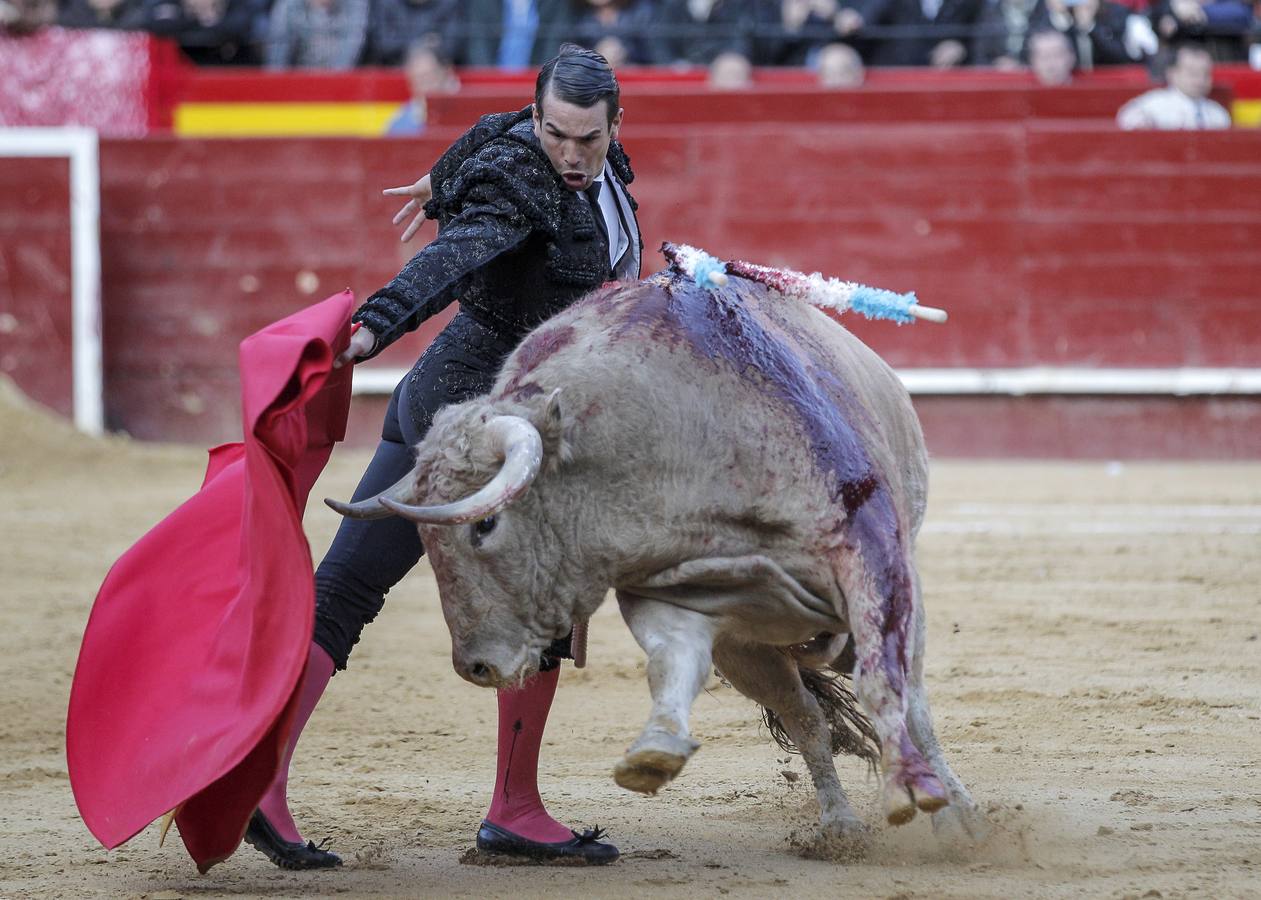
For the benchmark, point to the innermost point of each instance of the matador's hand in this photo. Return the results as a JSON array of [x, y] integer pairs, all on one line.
[[361, 344], [420, 192]]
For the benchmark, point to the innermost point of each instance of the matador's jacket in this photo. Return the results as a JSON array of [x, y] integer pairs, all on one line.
[[514, 245]]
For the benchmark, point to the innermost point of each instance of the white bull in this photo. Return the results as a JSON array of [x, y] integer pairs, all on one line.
[[746, 474]]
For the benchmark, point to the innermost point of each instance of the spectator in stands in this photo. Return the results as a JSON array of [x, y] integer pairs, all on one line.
[[619, 30], [730, 71], [26, 16], [316, 34], [1095, 28], [937, 31], [210, 32], [1141, 42], [840, 66], [395, 25], [516, 34], [1051, 57], [128, 14], [1001, 32], [1223, 25], [695, 32], [428, 71], [787, 32], [1184, 103]]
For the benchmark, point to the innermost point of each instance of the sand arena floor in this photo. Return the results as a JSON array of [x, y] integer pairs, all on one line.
[[1094, 661]]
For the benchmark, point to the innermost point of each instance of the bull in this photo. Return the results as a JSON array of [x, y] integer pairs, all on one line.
[[748, 477]]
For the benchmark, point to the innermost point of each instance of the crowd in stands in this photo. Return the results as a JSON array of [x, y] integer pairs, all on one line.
[[1053, 39], [731, 35]]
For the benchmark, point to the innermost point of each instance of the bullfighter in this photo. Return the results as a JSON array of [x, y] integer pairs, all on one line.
[[533, 213]]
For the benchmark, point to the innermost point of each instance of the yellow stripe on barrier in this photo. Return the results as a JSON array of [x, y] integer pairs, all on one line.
[[1246, 113], [283, 119]]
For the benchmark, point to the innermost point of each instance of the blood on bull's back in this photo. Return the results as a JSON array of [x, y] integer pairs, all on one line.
[[751, 392]]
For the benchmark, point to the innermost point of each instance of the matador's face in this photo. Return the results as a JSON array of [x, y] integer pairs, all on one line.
[[575, 138]]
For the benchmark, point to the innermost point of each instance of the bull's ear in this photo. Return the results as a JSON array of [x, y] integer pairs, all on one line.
[[551, 412], [552, 427]]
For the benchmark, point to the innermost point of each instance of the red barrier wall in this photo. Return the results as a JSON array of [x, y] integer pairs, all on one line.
[[1051, 244], [35, 323]]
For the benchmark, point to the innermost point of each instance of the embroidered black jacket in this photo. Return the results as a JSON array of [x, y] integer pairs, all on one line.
[[514, 246]]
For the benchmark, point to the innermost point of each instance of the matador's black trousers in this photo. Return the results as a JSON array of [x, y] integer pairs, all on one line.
[[368, 557]]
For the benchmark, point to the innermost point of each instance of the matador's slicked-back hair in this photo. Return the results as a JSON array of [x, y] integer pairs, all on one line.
[[579, 76]]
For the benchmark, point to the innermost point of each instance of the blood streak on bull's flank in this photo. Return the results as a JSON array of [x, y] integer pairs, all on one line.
[[723, 324]]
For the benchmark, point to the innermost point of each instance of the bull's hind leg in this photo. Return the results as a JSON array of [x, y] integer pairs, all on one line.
[[962, 811], [679, 644], [877, 576], [769, 676]]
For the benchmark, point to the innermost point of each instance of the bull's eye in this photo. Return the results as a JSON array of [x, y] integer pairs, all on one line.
[[481, 529]]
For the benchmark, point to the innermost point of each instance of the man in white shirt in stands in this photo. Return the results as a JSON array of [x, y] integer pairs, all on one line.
[[1184, 104]]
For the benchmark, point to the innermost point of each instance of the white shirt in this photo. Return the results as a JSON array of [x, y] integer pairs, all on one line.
[[618, 239], [1170, 109]]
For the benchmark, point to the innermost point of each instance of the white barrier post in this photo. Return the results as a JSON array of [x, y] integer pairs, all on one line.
[[81, 147]]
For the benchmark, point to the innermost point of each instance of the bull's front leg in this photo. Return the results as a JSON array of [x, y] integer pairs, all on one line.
[[679, 644]]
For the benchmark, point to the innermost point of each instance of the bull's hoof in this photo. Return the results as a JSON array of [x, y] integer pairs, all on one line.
[[653, 762], [843, 841], [929, 795], [647, 771], [899, 805], [904, 795]]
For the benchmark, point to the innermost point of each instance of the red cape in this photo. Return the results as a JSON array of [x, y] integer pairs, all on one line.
[[186, 682]]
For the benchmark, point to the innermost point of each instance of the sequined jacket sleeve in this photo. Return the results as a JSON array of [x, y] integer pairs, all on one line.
[[487, 227], [483, 210]]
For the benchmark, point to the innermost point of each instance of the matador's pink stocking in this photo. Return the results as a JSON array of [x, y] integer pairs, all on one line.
[[275, 803], [516, 805]]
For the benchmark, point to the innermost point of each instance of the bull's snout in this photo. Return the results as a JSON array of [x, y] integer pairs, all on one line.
[[493, 664], [479, 672]]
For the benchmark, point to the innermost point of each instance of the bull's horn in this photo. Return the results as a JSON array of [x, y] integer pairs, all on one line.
[[371, 508], [522, 450]]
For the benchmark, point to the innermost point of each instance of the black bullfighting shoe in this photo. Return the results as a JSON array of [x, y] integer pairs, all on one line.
[[287, 854], [586, 847]]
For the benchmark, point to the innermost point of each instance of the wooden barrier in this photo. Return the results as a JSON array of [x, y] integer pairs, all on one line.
[[35, 279], [1055, 244], [806, 104]]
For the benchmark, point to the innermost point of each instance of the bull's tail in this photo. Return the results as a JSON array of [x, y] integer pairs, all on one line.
[[851, 731]]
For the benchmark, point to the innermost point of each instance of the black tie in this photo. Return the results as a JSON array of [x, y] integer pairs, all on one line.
[[593, 197]]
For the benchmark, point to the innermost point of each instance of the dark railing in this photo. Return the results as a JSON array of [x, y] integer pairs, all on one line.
[[247, 34]]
